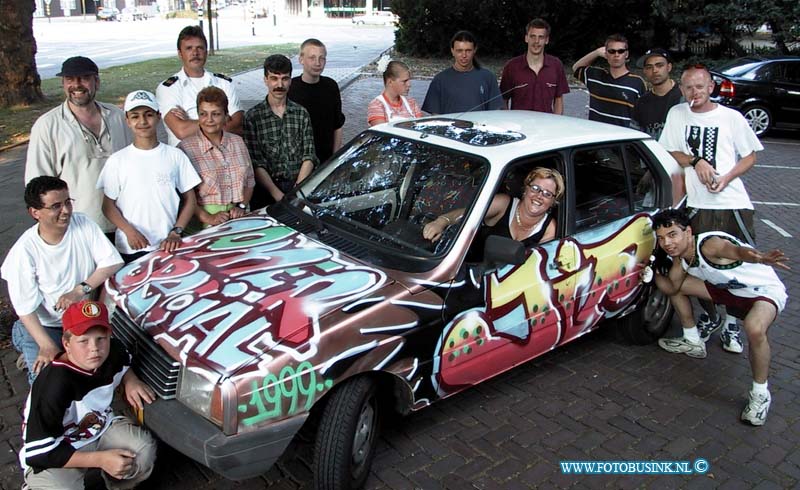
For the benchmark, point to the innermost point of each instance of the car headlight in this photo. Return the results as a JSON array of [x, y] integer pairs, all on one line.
[[200, 391]]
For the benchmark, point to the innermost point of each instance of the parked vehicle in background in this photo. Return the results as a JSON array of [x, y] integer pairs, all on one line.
[[331, 304], [765, 89], [108, 13], [378, 18], [133, 14]]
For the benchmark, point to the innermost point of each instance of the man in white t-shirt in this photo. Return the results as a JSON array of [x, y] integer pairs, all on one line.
[[177, 95], [140, 183], [716, 146], [59, 261]]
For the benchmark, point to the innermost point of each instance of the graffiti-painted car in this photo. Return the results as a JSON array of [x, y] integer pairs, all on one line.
[[330, 303]]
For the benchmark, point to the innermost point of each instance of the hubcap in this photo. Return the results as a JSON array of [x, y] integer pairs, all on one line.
[[758, 120], [363, 436]]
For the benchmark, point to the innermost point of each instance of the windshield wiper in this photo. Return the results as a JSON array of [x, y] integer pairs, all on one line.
[[318, 224]]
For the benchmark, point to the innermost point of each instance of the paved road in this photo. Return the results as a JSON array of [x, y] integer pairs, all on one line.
[[118, 43], [595, 399]]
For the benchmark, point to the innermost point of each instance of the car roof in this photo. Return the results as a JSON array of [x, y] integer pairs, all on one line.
[[540, 132]]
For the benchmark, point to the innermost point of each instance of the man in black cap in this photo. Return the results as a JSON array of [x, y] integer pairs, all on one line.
[[651, 109], [73, 140]]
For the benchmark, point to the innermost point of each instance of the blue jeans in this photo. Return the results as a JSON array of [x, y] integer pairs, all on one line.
[[25, 344]]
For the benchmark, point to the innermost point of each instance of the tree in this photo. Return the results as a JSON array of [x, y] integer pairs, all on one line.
[[19, 80]]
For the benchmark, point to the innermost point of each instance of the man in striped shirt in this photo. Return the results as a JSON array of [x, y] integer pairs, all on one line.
[[612, 92]]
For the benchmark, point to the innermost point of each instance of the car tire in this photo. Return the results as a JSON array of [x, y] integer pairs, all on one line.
[[347, 436], [649, 322], [759, 118]]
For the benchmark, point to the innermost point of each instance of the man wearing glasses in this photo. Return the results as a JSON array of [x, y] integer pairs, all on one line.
[[59, 261], [74, 140], [613, 92]]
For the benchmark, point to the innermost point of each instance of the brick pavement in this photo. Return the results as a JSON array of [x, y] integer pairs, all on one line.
[[594, 399]]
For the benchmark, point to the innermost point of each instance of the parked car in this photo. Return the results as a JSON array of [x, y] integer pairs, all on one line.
[[108, 13], [765, 89], [330, 304], [378, 17], [133, 14]]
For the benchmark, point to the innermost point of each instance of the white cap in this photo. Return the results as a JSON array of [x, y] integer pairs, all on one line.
[[139, 98]]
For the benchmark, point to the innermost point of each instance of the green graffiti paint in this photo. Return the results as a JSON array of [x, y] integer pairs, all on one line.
[[254, 237], [298, 387]]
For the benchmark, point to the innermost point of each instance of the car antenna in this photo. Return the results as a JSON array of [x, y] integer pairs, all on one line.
[[521, 85]]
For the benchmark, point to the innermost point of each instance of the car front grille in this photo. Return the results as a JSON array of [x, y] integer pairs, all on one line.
[[150, 362]]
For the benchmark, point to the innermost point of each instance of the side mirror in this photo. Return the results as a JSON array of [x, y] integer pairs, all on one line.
[[500, 251]]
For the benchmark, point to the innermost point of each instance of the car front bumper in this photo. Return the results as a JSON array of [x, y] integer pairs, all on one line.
[[235, 457]]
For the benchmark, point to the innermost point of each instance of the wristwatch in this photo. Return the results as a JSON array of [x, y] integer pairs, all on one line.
[[86, 288], [694, 161], [241, 206], [177, 229]]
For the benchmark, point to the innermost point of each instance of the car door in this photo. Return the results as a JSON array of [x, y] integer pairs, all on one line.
[[787, 93], [611, 191]]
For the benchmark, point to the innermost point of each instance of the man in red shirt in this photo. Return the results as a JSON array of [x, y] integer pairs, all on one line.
[[535, 81]]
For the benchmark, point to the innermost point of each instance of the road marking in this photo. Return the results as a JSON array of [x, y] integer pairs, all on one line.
[[777, 166], [790, 143], [765, 203], [776, 228]]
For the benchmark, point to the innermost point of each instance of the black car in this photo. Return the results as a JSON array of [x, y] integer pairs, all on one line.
[[765, 89]]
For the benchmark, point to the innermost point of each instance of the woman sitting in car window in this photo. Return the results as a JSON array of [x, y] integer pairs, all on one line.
[[527, 220]]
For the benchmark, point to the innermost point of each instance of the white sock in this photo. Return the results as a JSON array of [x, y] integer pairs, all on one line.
[[692, 334], [760, 388], [731, 324]]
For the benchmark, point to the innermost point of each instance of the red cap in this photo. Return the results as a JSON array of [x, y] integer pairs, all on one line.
[[82, 316]]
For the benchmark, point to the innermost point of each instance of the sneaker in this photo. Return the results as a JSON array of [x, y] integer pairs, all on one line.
[[756, 410], [706, 327], [681, 345], [731, 338]]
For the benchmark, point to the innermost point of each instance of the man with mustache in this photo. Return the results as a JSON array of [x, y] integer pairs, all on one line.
[[177, 95], [74, 140], [278, 133]]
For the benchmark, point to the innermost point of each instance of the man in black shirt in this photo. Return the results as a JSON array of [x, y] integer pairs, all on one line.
[[651, 109], [321, 98]]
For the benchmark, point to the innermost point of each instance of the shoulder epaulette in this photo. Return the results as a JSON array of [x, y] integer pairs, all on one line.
[[224, 77], [169, 81]]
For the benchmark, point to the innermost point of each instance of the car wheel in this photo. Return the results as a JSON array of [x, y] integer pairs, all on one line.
[[649, 322], [759, 119], [347, 436]]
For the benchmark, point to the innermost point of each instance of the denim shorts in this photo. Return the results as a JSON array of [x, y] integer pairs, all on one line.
[[25, 344]]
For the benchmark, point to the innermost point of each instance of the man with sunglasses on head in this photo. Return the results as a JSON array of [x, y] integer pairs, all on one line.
[[74, 140], [59, 261], [613, 92], [715, 146]]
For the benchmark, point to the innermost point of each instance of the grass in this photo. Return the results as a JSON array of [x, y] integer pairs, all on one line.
[[116, 82]]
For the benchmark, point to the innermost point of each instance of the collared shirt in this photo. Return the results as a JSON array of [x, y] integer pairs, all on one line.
[[62, 147], [543, 88], [611, 100], [225, 169], [180, 91], [280, 145]]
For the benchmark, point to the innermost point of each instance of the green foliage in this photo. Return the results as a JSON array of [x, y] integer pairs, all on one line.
[[580, 25]]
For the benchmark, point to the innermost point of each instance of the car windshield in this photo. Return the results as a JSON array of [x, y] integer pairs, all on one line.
[[382, 190], [739, 67]]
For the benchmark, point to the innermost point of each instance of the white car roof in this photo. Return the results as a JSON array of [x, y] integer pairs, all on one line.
[[542, 132]]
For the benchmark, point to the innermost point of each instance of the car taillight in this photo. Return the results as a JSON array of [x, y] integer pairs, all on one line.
[[727, 89]]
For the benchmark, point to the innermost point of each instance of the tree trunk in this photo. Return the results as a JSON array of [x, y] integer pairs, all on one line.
[[19, 80]]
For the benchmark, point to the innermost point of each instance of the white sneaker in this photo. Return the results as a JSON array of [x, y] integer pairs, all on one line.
[[731, 338], [681, 345], [757, 407]]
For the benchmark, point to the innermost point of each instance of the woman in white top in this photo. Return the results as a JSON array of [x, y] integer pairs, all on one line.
[[393, 104]]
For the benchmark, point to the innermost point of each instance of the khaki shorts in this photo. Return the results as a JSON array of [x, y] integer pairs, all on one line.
[[704, 220]]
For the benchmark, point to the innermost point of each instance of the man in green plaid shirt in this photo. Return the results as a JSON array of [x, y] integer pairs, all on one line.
[[278, 133]]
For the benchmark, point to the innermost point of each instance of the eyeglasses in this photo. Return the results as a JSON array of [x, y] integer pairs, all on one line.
[[541, 190], [617, 51], [56, 207]]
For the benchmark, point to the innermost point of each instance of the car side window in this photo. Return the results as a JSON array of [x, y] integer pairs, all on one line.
[[642, 180], [791, 73], [768, 72], [601, 194]]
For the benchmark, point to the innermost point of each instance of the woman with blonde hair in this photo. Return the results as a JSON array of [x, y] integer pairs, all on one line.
[[394, 103]]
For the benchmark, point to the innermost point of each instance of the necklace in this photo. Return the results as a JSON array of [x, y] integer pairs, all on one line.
[[519, 221]]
